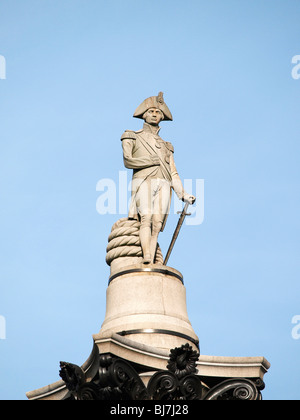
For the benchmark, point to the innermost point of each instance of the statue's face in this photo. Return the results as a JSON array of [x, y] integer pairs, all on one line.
[[153, 116]]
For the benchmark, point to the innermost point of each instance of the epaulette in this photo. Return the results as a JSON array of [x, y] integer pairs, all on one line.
[[129, 134]]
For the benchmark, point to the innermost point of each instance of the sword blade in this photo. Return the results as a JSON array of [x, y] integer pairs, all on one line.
[[183, 214]]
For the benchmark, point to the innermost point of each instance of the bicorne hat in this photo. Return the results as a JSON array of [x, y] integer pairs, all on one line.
[[154, 102]]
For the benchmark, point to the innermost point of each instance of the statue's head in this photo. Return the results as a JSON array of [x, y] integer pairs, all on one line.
[[153, 116], [154, 108]]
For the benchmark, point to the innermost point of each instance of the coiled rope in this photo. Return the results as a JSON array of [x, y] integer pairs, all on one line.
[[124, 241]]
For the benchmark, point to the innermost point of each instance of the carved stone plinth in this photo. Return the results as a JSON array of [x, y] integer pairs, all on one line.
[[148, 305]]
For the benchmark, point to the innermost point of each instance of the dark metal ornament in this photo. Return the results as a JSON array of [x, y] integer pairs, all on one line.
[[117, 380]]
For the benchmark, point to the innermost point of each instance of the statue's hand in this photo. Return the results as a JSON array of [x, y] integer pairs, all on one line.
[[188, 198], [155, 160]]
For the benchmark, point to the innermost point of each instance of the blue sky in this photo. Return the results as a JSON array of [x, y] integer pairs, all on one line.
[[75, 72]]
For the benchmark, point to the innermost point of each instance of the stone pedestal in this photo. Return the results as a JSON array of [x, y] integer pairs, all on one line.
[[146, 317], [148, 305]]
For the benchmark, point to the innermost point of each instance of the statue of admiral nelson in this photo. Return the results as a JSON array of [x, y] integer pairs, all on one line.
[[154, 173]]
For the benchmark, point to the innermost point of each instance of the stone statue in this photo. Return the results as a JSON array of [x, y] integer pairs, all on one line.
[[154, 173]]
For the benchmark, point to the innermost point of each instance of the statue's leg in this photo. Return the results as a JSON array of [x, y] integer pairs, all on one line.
[[144, 205], [156, 228], [160, 208], [145, 237]]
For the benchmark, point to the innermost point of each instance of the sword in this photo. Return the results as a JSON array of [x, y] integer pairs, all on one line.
[[183, 214]]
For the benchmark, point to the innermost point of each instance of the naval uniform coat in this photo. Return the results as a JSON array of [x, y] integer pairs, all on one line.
[[140, 151]]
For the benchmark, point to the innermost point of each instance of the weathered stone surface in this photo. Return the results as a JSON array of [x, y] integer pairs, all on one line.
[[149, 306]]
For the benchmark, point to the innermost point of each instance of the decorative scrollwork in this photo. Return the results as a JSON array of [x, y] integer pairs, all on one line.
[[180, 382], [191, 387], [88, 392], [117, 379], [120, 377], [163, 386], [128, 380], [234, 389]]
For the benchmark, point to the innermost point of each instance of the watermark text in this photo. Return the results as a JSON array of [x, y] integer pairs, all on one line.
[[2, 67], [116, 197], [2, 328], [296, 328], [296, 68]]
